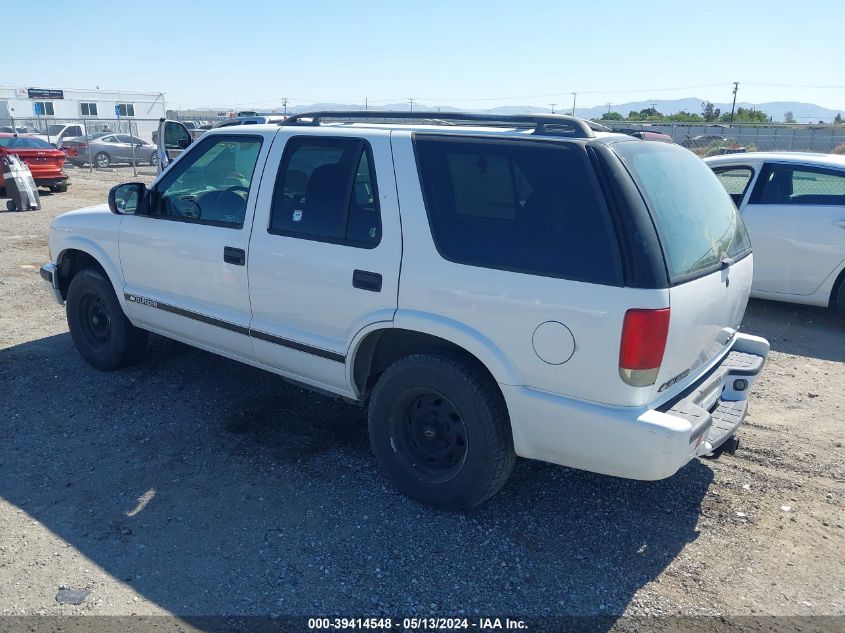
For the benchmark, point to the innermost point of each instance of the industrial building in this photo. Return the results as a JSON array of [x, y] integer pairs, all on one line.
[[54, 104]]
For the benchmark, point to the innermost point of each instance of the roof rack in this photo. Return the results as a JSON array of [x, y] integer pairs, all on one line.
[[543, 124]]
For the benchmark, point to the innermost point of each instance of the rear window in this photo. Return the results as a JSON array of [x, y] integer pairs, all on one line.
[[529, 207], [697, 222], [24, 142]]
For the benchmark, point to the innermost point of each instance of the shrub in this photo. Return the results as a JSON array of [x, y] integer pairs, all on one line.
[[839, 149]]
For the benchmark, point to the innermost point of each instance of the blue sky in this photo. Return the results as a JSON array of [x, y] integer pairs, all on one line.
[[468, 54]]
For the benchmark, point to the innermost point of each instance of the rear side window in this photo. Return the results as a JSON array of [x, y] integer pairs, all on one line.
[[735, 181], [530, 207], [326, 191], [697, 222], [788, 184]]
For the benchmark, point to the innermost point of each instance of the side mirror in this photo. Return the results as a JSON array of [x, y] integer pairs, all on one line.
[[126, 199]]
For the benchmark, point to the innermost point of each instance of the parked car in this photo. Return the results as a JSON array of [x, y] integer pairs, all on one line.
[[648, 135], [250, 120], [18, 129], [44, 161], [465, 279], [106, 149], [703, 141], [56, 133], [794, 207], [194, 128]]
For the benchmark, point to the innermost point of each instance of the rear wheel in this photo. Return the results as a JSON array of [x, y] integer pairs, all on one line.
[[102, 160], [100, 330], [440, 432], [840, 299]]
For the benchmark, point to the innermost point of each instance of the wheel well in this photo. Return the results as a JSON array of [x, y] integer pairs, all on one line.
[[71, 262], [382, 348]]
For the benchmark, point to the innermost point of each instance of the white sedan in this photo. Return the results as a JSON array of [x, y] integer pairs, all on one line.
[[794, 207]]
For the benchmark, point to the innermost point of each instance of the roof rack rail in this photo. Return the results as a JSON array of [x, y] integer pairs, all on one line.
[[543, 124]]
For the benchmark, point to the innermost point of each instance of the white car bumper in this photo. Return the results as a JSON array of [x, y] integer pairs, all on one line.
[[50, 274], [638, 443]]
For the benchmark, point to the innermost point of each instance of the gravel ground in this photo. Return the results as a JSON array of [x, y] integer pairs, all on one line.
[[194, 485]]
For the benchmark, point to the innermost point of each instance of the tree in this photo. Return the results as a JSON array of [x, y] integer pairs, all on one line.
[[709, 111], [746, 115], [612, 116], [788, 117], [837, 120]]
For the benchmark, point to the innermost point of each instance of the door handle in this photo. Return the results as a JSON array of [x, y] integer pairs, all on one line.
[[236, 256], [365, 280]]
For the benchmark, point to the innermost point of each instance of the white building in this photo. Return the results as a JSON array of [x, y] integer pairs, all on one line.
[[56, 104]]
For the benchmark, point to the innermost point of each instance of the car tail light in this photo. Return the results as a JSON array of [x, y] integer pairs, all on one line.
[[644, 334]]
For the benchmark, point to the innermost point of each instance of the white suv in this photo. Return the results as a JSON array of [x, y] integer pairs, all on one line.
[[488, 286]]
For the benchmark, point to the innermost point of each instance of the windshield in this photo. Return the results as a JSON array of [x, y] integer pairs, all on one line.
[[697, 222], [24, 142]]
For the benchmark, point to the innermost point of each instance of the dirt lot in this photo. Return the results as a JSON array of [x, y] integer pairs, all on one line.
[[193, 485]]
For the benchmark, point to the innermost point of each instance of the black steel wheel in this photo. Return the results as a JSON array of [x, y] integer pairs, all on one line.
[[440, 431], [102, 334], [429, 434]]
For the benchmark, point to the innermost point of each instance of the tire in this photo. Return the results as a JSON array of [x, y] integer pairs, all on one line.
[[440, 431], [840, 298], [102, 160], [100, 330], [61, 189], [10, 205]]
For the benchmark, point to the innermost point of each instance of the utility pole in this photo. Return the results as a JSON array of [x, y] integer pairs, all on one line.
[[411, 103], [733, 107], [366, 104], [285, 104], [574, 95], [553, 107], [608, 107]]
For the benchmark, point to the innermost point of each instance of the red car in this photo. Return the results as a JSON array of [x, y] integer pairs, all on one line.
[[44, 160]]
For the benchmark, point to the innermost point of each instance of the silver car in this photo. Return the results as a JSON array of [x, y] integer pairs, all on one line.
[[108, 148]]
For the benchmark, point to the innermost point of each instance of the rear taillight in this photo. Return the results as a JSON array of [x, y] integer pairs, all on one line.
[[644, 334]]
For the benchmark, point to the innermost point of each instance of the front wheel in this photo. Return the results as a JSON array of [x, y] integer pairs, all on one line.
[[440, 431], [100, 330], [102, 160]]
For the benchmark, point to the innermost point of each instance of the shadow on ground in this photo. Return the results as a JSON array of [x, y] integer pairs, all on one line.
[[797, 329], [213, 488]]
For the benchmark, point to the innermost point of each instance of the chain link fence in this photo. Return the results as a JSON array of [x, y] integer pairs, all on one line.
[[130, 142], [708, 139]]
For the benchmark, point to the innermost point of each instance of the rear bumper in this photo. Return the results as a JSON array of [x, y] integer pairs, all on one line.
[[51, 181], [50, 274], [638, 443]]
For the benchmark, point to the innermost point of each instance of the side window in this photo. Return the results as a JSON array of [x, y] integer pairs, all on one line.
[[735, 181], [211, 184], [326, 191], [522, 206], [787, 184]]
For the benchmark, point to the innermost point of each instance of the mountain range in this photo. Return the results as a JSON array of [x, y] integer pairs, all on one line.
[[803, 112]]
